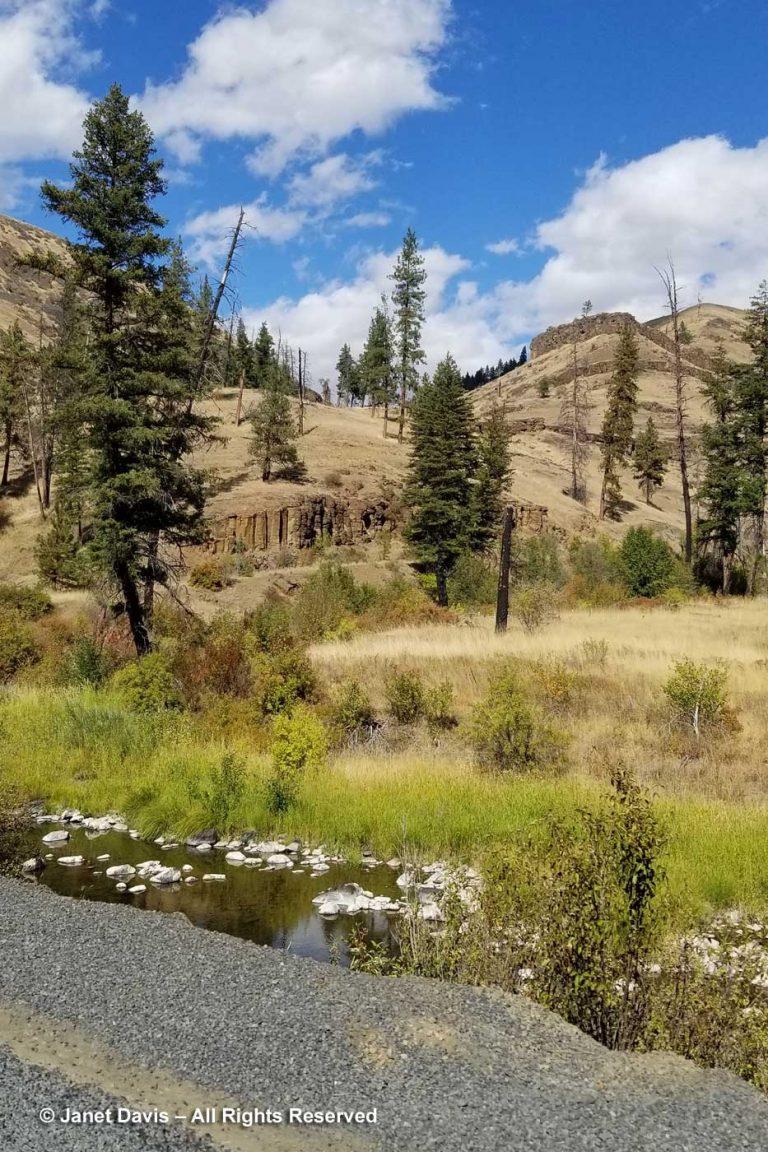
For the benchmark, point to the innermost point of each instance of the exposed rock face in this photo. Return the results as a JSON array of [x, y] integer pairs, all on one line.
[[312, 520], [611, 324], [531, 518]]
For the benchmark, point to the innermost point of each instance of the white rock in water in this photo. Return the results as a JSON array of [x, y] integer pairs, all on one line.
[[220, 845], [134, 835], [393, 863], [407, 880], [98, 823], [103, 857], [430, 912], [203, 848], [33, 865], [214, 878], [160, 840], [234, 845], [253, 862], [137, 889], [187, 868], [280, 860], [298, 872], [166, 876], [190, 879], [57, 837], [235, 858], [70, 861], [265, 848], [319, 869], [48, 818], [120, 887], [49, 856], [121, 871], [328, 908]]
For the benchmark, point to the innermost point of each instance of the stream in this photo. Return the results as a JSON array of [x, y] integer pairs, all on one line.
[[267, 906]]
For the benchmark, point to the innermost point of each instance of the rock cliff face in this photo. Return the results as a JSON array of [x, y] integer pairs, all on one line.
[[611, 324], [310, 521]]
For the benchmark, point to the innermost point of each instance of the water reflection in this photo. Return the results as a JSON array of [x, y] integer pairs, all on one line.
[[268, 907]]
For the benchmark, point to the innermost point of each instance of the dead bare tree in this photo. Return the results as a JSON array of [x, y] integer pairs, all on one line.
[[211, 325], [574, 411], [502, 594], [669, 280], [302, 374]]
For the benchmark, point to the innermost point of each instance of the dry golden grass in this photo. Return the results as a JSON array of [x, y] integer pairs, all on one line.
[[616, 707]]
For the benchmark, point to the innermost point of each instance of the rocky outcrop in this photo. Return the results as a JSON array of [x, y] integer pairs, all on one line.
[[312, 520], [611, 324]]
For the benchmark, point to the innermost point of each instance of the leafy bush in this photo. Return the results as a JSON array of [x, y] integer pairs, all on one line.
[[543, 388], [329, 595], [299, 745], [439, 708], [508, 734], [29, 603], [472, 582], [556, 683], [405, 697], [226, 791], [280, 681], [149, 685], [87, 662], [537, 560], [535, 606], [14, 827], [18, 647], [210, 575], [648, 563], [401, 602], [61, 559], [270, 625], [352, 710], [697, 695]]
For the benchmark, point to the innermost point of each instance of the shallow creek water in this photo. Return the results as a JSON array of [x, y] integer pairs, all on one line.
[[268, 907]]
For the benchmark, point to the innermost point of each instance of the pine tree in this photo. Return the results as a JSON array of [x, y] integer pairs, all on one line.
[[274, 430], [491, 478], [752, 398], [721, 493], [263, 355], [618, 422], [441, 467], [244, 359], [523, 357], [376, 363], [139, 384], [650, 460], [347, 372], [408, 296]]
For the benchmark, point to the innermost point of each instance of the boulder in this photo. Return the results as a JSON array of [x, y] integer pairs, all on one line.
[[208, 836], [202, 848], [36, 864], [265, 848], [121, 871], [294, 847], [72, 816], [137, 889], [280, 860], [166, 876], [70, 861], [235, 858], [431, 913], [57, 837], [407, 880], [328, 908]]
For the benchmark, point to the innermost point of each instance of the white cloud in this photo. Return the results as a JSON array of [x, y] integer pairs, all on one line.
[[210, 232], [337, 178], [367, 220], [503, 248], [297, 74], [39, 115]]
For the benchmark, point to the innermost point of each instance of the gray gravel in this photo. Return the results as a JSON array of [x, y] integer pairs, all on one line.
[[445, 1067]]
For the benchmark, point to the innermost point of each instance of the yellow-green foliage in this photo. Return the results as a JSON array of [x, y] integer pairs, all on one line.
[[18, 647], [508, 733], [299, 746], [148, 685]]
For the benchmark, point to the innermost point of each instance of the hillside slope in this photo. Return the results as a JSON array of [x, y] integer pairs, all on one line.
[[348, 459]]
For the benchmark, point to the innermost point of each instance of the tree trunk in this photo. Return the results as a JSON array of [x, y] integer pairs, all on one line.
[[441, 578], [502, 595], [386, 421], [149, 580], [401, 415], [7, 458], [134, 610], [239, 411], [601, 512], [669, 281], [727, 564]]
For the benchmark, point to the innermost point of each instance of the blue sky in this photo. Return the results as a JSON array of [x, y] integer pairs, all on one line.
[[545, 152]]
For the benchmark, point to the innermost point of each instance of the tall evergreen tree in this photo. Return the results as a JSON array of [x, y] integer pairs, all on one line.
[[408, 296], [244, 359], [440, 471], [139, 389], [721, 492], [752, 395], [649, 460], [274, 429], [263, 355], [376, 363], [619, 421], [347, 389], [491, 478]]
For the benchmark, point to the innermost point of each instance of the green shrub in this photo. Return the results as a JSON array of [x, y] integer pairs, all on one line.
[[210, 575], [270, 625], [61, 559], [537, 560], [439, 708], [405, 697], [329, 595], [87, 662], [29, 603], [556, 683], [14, 829], [226, 791], [281, 680], [534, 606], [149, 685], [543, 388], [697, 695], [18, 647], [648, 564], [472, 582], [352, 710], [299, 745], [508, 734], [597, 575]]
